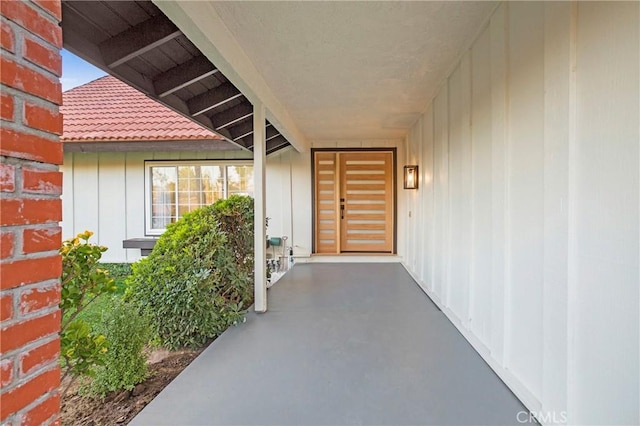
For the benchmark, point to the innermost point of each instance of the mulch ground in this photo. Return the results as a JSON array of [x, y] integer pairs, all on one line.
[[119, 408]]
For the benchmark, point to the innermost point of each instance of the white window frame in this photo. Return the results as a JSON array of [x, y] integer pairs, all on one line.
[[169, 163]]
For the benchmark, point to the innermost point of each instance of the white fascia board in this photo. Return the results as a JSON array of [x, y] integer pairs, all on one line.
[[204, 27]]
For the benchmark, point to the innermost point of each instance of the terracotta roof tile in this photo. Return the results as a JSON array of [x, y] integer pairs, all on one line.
[[107, 109]]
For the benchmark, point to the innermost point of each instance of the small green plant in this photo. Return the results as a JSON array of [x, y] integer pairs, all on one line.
[[125, 365], [81, 348], [119, 272], [197, 280]]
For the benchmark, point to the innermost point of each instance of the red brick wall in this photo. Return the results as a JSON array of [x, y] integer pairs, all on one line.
[[30, 208]]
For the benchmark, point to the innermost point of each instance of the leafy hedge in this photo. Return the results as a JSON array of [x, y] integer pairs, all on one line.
[[119, 272], [235, 218], [128, 333], [82, 282], [198, 279]]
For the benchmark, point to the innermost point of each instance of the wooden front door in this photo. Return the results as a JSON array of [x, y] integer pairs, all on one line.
[[354, 202]]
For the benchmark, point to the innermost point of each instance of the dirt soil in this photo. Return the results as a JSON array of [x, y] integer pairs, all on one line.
[[119, 408]]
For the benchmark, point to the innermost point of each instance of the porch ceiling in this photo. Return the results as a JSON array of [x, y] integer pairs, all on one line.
[[135, 42], [348, 70]]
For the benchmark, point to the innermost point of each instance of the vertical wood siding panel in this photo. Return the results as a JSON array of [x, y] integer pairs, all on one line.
[[466, 249], [286, 207], [405, 221], [112, 205], [427, 199], [68, 228], [459, 189], [408, 221], [301, 195], [274, 183], [526, 191], [86, 210], [414, 220], [557, 30], [135, 199], [498, 36], [607, 317], [441, 176], [420, 223], [402, 200], [481, 291]]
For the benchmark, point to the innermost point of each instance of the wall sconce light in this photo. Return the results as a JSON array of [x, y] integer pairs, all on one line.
[[410, 177]]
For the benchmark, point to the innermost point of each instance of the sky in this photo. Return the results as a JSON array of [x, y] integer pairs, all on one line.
[[76, 71]]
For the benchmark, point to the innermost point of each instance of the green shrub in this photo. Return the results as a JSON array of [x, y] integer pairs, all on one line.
[[94, 312], [197, 280], [119, 272], [127, 332], [82, 282], [235, 218]]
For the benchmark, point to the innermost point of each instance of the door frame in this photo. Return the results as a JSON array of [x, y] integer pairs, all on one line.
[[394, 183]]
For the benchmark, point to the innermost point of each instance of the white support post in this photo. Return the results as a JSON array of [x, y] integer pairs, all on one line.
[[260, 249]]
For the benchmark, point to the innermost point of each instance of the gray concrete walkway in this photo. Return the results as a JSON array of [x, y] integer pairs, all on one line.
[[342, 344]]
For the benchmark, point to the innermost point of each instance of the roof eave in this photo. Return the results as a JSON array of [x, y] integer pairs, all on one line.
[[147, 145]]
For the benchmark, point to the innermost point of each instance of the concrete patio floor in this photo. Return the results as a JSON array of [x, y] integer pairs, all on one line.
[[342, 344]]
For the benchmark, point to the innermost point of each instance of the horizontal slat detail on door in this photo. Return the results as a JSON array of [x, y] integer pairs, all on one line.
[[327, 226], [377, 237], [326, 167], [351, 178], [367, 197], [366, 207], [365, 187], [326, 204], [366, 216], [330, 197], [367, 227]]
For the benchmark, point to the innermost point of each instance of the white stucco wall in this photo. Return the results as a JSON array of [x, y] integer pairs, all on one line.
[[104, 193], [526, 228]]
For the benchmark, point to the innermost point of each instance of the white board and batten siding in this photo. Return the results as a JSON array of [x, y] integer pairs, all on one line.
[[105, 193], [528, 215]]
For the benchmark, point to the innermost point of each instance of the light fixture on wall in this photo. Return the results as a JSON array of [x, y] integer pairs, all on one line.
[[410, 177]]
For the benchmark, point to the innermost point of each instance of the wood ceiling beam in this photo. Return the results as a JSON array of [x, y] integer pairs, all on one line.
[[241, 131], [272, 132], [137, 40], [213, 98], [276, 143], [273, 137], [183, 75], [243, 144], [232, 115], [247, 138]]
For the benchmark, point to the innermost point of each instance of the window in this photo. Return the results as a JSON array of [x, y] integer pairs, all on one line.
[[176, 188]]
